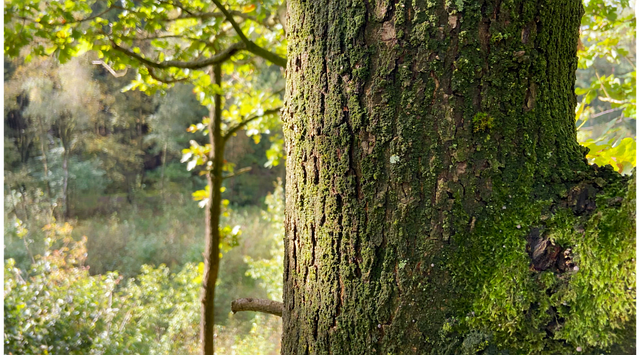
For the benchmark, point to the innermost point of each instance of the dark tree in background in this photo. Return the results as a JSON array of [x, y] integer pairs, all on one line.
[[437, 199]]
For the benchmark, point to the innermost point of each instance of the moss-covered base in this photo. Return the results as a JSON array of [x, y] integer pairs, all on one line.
[[552, 277]]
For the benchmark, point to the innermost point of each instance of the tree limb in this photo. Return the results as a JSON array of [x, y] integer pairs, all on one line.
[[257, 305], [216, 59], [250, 46], [244, 122]]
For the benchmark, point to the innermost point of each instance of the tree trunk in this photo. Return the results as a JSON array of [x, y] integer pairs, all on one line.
[[45, 163], [431, 156], [212, 221], [164, 163], [65, 126], [65, 184]]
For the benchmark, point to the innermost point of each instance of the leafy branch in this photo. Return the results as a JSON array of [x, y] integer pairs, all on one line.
[[216, 59], [251, 46]]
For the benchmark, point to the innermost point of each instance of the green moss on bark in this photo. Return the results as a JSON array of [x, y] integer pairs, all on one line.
[[578, 292]]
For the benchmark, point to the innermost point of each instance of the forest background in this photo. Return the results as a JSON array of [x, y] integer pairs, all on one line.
[[103, 238]]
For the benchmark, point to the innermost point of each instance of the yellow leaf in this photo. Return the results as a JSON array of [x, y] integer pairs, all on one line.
[[248, 8]]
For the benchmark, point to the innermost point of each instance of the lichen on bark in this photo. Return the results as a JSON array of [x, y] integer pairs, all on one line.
[[410, 229]]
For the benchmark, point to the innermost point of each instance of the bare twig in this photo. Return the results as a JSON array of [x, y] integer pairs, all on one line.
[[244, 122], [257, 305], [606, 112], [239, 172], [602, 85], [109, 69], [630, 62]]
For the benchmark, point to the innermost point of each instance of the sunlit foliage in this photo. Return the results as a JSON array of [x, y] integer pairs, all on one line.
[[57, 306], [606, 113]]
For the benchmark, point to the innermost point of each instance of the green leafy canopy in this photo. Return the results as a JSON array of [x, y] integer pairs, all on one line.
[[168, 42]]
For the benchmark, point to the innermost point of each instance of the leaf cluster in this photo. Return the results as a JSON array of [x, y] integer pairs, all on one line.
[[606, 84]]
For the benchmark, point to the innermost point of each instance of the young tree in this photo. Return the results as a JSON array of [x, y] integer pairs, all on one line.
[[437, 199], [38, 87], [71, 107]]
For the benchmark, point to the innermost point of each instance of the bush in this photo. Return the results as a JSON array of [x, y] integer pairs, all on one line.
[[58, 307]]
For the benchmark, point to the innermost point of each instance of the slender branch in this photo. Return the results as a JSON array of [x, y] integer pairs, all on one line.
[[251, 47], [26, 246], [192, 39], [166, 81], [109, 69], [601, 85], [16, 273], [239, 172], [630, 62], [192, 15], [257, 305], [244, 122], [146, 38], [606, 112], [176, 4], [208, 15], [608, 99], [216, 59], [233, 22], [70, 22], [97, 15]]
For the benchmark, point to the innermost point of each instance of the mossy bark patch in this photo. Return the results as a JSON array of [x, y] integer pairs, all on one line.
[[426, 141]]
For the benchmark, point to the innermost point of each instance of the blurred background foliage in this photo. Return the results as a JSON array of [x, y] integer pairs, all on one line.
[[103, 240], [606, 84], [62, 301], [133, 281]]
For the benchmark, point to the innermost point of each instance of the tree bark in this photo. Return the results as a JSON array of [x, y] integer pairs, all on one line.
[[164, 163], [65, 184], [431, 148], [45, 163], [212, 220], [66, 126]]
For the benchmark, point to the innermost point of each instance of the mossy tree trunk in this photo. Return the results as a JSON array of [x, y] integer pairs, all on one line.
[[437, 198]]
